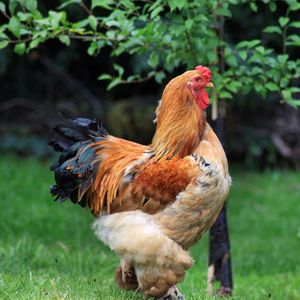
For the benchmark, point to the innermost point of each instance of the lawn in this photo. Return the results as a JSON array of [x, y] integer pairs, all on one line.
[[48, 251]]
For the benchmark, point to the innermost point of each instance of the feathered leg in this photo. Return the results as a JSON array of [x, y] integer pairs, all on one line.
[[159, 263], [219, 256], [125, 276], [126, 279]]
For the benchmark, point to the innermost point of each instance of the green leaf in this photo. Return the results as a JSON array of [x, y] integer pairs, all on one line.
[[14, 26], [119, 69], [133, 78], [259, 89], [128, 4], [274, 74], [294, 6], [293, 102], [176, 4], [294, 89], [242, 44], [2, 7], [224, 95], [36, 15], [189, 24], [159, 76], [231, 60], [80, 24], [273, 29], [272, 6], [114, 83], [253, 43], [233, 86], [12, 6], [102, 3], [3, 36], [43, 33], [24, 17], [260, 50], [105, 77], [65, 39], [247, 44], [3, 43], [227, 51], [56, 18], [223, 12], [212, 57], [295, 24], [272, 87], [31, 5], [293, 39], [20, 48], [93, 48], [93, 22], [282, 58], [256, 70], [284, 82], [253, 6], [283, 21], [34, 43], [67, 3], [155, 12], [153, 60], [243, 54], [287, 95]]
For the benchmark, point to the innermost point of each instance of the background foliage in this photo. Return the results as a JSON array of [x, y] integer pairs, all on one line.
[[138, 41]]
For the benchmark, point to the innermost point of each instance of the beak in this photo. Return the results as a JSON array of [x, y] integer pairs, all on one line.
[[210, 85]]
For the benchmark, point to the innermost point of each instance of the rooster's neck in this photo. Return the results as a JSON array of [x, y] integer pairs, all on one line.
[[180, 124]]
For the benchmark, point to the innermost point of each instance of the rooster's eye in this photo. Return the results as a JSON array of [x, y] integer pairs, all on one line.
[[198, 79]]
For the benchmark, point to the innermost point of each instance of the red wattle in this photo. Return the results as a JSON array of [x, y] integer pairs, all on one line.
[[203, 99]]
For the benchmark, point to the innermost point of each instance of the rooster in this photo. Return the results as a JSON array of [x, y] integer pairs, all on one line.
[[151, 202]]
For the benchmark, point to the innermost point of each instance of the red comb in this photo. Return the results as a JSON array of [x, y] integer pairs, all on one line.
[[205, 72]]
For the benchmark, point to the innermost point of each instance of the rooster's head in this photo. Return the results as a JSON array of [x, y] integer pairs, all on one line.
[[179, 116], [198, 83]]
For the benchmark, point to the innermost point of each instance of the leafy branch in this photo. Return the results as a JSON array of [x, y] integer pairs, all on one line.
[[163, 35]]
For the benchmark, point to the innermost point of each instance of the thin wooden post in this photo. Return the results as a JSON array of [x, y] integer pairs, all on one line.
[[219, 265]]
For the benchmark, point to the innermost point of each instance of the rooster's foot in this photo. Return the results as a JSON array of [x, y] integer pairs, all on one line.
[[127, 271], [172, 294], [125, 277]]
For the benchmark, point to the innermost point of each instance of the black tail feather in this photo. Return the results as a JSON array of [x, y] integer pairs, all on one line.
[[76, 166]]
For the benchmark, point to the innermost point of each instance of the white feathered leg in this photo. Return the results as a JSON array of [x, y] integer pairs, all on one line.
[[158, 261]]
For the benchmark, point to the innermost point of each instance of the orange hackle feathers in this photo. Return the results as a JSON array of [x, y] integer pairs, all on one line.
[[180, 122]]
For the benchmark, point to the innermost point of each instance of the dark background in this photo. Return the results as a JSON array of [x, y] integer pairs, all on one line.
[[54, 81]]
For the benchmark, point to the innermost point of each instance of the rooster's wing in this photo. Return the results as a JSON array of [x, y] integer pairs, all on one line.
[[110, 174]]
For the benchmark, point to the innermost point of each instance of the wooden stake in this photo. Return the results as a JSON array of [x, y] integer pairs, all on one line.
[[214, 108]]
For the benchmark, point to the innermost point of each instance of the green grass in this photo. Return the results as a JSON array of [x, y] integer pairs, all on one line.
[[48, 251]]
